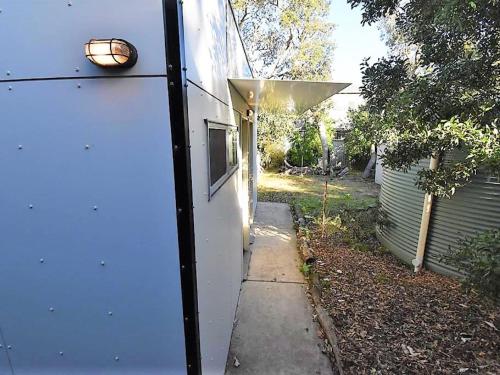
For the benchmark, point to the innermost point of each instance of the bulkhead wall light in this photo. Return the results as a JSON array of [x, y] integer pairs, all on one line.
[[111, 53]]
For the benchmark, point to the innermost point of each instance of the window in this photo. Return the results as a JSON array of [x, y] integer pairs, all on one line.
[[222, 154]]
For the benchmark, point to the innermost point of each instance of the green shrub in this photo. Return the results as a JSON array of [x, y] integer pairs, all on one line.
[[478, 257], [308, 146], [273, 155]]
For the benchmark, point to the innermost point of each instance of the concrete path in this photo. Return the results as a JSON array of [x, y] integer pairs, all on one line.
[[274, 332]]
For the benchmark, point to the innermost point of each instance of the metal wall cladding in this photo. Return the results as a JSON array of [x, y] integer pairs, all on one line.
[[403, 202], [472, 209], [89, 258], [45, 38]]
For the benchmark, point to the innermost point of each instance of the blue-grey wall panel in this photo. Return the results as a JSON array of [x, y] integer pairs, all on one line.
[[89, 261], [5, 368], [45, 38]]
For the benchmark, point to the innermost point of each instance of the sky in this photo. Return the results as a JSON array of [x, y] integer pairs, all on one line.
[[353, 43]]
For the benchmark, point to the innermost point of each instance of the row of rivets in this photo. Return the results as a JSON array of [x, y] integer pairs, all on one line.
[[51, 309], [20, 147], [102, 263], [78, 85], [94, 208]]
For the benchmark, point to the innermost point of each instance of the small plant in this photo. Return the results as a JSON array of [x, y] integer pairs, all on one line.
[[306, 269], [478, 257], [330, 225], [382, 218], [382, 278]]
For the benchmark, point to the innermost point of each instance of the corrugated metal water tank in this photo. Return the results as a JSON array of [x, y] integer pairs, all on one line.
[[473, 209], [402, 202]]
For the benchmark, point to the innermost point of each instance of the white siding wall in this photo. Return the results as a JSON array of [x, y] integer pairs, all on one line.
[[210, 61]]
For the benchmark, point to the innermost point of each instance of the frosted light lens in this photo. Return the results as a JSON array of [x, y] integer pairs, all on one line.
[[111, 53]]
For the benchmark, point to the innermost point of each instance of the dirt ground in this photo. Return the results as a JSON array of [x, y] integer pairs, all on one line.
[[388, 320]]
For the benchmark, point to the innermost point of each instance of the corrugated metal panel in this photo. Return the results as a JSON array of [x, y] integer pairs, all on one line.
[[474, 208], [402, 201]]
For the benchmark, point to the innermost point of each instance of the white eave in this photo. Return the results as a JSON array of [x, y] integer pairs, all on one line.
[[271, 94]]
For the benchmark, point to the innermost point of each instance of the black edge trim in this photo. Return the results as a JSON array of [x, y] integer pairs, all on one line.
[[177, 93]]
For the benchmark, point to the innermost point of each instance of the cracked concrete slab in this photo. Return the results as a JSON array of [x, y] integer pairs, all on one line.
[[274, 332]]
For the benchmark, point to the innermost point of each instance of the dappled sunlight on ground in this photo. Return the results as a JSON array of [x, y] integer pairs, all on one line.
[[269, 230], [308, 185], [307, 191]]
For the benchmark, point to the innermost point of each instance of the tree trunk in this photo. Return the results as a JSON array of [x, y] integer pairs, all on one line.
[[324, 146], [371, 162]]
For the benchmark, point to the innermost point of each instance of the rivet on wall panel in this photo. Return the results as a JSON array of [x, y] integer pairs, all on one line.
[[7, 72], [94, 208], [9, 346], [20, 147], [30, 206], [70, 3], [42, 260], [10, 88], [87, 147], [103, 263], [79, 85], [77, 69], [117, 358], [61, 353], [110, 313], [51, 309]]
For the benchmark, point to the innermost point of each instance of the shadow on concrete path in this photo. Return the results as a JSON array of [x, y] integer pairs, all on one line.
[[274, 332]]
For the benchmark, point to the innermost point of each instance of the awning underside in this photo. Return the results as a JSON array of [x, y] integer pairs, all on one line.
[[272, 94]]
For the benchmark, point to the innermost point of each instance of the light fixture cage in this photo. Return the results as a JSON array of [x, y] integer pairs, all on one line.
[[111, 53]]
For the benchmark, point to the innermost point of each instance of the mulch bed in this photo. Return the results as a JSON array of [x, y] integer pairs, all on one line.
[[391, 321]]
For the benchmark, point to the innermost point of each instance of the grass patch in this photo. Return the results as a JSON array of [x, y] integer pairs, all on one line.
[[307, 192], [351, 206]]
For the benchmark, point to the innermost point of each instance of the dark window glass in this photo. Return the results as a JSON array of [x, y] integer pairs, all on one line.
[[217, 140], [233, 148]]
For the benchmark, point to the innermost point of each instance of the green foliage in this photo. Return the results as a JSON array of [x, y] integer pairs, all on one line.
[[273, 155], [306, 269], [330, 225], [359, 140], [273, 132], [479, 258], [287, 39], [308, 146], [444, 95]]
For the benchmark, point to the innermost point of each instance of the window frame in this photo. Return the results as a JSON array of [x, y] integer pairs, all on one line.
[[230, 169]]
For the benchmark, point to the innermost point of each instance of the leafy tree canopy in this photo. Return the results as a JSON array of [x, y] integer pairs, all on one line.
[[443, 95], [286, 39]]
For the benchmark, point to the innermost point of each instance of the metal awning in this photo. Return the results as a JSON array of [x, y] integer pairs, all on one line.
[[270, 94]]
